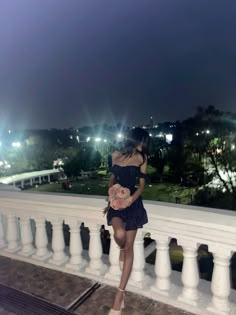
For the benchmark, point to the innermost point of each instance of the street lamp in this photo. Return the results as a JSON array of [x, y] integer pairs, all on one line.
[[16, 144]]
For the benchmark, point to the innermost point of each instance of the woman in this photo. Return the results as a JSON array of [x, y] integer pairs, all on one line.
[[127, 165]]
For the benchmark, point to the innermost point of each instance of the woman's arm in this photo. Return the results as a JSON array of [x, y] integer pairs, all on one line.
[[111, 180], [138, 192], [112, 177]]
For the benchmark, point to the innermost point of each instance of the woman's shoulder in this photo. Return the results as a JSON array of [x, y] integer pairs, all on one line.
[[142, 158], [116, 154]]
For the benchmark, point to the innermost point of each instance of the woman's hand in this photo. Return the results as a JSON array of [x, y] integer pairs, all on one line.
[[130, 200]]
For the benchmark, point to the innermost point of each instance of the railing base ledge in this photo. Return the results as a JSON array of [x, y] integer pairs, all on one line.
[[42, 258], [211, 308], [59, 262], [27, 254], [76, 267], [13, 250]]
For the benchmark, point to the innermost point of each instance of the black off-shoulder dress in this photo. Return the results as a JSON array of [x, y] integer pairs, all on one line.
[[135, 216]]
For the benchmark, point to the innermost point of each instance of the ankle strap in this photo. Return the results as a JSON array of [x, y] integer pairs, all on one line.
[[121, 290]]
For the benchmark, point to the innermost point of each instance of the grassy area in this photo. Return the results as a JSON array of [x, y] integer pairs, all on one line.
[[161, 192]]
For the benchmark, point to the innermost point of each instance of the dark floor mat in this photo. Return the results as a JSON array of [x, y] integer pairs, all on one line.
[[25, 304]]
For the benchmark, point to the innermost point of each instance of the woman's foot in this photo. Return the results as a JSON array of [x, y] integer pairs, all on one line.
[[121, 258]]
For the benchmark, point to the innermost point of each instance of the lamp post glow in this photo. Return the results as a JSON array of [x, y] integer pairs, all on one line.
[[16, 144], [169, 138]]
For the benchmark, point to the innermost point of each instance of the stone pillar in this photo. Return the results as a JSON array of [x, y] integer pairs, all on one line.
[[220, 283], [2, 233], [162, 265], [76, 249], [59, 256], [190, 273], [137, 274], [26, 237], [31, 182], [41, 240], [96, 266], [12, 234], [49, 178], [40, 180], [114, 272], [22, 185]]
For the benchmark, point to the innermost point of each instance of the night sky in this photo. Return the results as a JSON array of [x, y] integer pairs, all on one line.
[[75, 62]]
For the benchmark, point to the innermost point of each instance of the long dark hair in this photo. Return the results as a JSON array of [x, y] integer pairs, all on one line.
[[135, 137]]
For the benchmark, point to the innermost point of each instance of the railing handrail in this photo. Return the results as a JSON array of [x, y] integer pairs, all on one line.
[[199, 223], [36, 242]]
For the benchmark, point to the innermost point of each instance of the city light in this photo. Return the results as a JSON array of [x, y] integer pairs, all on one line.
[[105, 140], [169, 137], [120, 135], [0, 143], [207, 131], [88, 139], [16, 144], [197, 134], [98, 139], [232, 147], [150, 134], [5, 164]]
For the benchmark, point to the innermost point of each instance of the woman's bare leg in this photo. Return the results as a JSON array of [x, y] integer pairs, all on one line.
[[119, 231], [128, 264]]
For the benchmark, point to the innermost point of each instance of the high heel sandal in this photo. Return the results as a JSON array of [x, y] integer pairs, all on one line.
[[121, 262], [114, 312]]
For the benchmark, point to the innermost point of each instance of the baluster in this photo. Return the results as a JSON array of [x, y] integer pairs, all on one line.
[[137, 275], [162, 265], [26, 237], [59, 256], [190, 273], [220, 283], [41, 240], [96, 266], [12, 234], [2, 233], [76, 261], [114, 254]]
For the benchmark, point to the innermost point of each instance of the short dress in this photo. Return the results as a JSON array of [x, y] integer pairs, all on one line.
[[135, 216]]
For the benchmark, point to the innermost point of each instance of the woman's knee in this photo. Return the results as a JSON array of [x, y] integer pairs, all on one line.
[[119, 235]]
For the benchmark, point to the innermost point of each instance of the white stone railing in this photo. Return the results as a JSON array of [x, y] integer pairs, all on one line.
[[23, 236]]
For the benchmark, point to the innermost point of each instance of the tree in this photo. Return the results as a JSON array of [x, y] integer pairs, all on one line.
[[211, 135], [87, 159]]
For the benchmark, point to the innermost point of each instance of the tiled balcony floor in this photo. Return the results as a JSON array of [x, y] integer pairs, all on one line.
[[63, 289]]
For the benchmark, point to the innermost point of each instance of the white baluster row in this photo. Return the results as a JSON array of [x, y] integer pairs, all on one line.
[[76, 261], [220, 285], [2, 233], [162, 266], [221, 282], [41, 240]]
